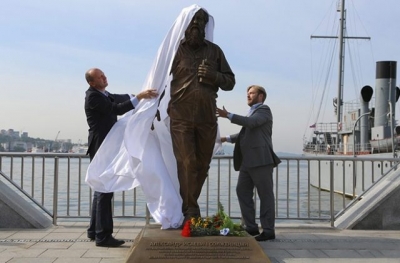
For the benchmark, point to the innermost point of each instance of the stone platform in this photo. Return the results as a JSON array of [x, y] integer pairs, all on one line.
[[168, 246], [294, 243]]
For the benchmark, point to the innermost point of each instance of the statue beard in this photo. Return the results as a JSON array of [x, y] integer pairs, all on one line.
[[194, 36]]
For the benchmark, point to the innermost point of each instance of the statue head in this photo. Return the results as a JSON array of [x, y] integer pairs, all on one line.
[[195, 32]]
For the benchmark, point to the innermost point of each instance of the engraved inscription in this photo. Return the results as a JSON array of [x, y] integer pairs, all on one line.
[[199, 250]]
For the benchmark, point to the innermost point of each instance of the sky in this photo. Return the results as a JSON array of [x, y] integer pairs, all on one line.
[[46, 47]]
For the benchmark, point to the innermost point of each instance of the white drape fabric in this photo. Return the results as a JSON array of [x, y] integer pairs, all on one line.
[[132, 154]]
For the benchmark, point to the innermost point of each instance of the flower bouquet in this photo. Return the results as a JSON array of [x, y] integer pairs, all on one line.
[[218, 224]]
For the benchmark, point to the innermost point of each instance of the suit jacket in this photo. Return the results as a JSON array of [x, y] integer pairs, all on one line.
[[253, 144], [101, 114]]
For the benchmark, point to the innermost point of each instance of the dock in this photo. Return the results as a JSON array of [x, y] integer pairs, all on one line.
[[294, 243]]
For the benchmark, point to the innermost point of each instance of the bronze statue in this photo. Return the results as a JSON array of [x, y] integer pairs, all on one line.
[[198, 70]]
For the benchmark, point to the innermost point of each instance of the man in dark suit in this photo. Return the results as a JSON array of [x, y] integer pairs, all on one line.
[[255, 160], [102, 108]]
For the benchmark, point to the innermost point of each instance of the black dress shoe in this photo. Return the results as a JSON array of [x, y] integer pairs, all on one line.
[[264, 236], [110, 242], [91, 236], [253, 232]]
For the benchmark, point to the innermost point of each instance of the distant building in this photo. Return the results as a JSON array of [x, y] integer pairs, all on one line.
[[16, 146], [39, 145], [13, 134]]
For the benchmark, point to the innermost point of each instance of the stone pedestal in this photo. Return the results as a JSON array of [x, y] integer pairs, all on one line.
[[168, 246]]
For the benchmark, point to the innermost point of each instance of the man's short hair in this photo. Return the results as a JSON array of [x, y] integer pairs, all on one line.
[[259, 89], [89, 76]]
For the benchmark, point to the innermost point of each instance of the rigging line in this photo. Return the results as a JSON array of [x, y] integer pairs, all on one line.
[[327, 80], [316, 89], [328, 13], [317, 83], [354, 9], [356, 69], [349, 45], [329, 73], [361, 73], [326, 66], [311, 110], [353, 73], [372, 52], [354, 57], [354, 50]]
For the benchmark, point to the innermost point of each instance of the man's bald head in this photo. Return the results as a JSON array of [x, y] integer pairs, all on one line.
[[96, 79]]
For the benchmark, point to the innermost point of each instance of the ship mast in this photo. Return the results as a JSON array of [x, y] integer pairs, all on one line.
[[342, 39], [341, 64]]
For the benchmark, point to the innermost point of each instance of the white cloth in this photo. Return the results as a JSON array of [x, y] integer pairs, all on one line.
[[132, 154]]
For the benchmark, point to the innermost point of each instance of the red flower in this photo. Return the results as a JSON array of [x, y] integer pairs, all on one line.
[[186, 229]]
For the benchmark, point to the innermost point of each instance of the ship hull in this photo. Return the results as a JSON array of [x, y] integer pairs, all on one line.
[[350, 177]]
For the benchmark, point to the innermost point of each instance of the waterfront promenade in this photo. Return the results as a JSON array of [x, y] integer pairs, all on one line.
[[67, 242]]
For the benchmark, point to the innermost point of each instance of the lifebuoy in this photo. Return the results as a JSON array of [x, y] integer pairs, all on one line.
[[339, 126]]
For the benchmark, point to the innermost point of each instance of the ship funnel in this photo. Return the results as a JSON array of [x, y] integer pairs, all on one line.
[[366, 95], [385, 99], [385, 91]]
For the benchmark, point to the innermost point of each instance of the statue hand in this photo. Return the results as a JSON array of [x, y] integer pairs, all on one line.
[[207, 74]]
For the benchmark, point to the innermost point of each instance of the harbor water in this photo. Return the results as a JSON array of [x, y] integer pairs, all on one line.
[[295, 198]]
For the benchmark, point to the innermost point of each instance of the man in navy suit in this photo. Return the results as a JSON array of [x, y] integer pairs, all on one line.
[[102, 108], [255, 160]]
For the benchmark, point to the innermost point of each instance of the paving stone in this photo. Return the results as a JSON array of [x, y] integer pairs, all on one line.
[[22, 252], [28, 235], [301, 253], [5, 258], [114, 260], [6, 234], [31, 260], [341, 253], [53, 245], [68, 242], [376, 253], [278, 253], [335, 260], [63, 253], [318, 253], [62, 236], [78, 260], [391, 253], [118, 252]]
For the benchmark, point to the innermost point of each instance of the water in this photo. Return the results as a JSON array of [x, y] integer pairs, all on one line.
[[294, 196]]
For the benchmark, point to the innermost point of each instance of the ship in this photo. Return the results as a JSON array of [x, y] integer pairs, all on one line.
[[364, 128]]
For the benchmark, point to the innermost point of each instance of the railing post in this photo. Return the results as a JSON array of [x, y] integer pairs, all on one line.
[[147, 216], [332, 188], [55, 191], [355, 178]]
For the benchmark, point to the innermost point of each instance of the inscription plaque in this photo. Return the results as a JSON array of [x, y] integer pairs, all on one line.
[[156, 245]]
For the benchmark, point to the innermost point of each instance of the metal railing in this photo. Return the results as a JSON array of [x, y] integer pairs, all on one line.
[[54, 182]]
